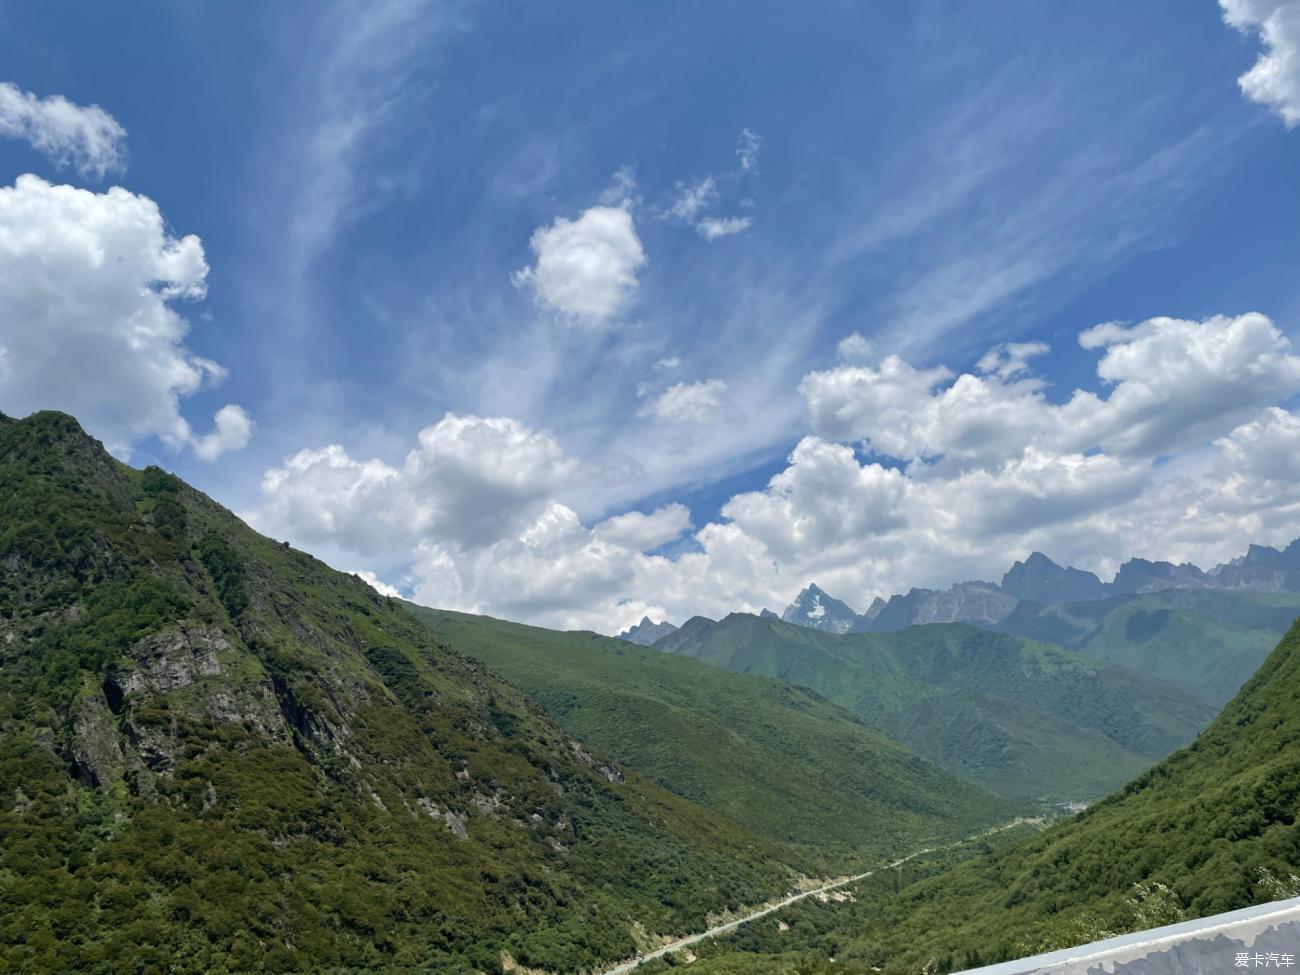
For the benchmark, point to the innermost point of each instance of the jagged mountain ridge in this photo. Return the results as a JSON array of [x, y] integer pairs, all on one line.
[[818, 610], [218, 754], [1039, 581], [646, 632]]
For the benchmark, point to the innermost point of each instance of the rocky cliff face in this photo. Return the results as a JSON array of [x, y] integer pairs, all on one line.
[[969, 602]]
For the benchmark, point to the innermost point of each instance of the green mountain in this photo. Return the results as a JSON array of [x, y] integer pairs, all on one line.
[[1210, 829], [1204, 640], [218, 755], [1025, 720], [777, 759]]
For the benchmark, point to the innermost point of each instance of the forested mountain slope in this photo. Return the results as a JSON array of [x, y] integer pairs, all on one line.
[[779, 760], [1210, 829], [1026, 720], [219, 755]]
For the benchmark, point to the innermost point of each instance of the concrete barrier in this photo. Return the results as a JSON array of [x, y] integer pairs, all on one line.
[[1266, 936]]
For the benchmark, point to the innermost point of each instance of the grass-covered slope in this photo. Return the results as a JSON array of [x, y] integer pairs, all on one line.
[[775, 758], [1210, 829], [1023, 719], [219, 755], [1205, 641]]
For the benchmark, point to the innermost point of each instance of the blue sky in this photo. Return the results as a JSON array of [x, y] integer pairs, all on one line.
[[378, 189]]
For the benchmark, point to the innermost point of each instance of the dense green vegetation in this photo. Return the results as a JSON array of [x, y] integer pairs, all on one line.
[[218, 755], [775, 758], [1204, 640], [1210, 829], [1023, 719]]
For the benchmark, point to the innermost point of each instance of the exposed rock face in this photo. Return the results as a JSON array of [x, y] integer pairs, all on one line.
[[1262, 568], [874, 610], [817, 609], [646, 633], [174, 659], [966, 602], [1040, 580], [96, 751], [1141, 575]]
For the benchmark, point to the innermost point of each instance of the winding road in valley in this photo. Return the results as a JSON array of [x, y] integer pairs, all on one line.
[[627, 966]]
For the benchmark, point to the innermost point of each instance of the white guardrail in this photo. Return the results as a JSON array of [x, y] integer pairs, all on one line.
[[1254, 938]]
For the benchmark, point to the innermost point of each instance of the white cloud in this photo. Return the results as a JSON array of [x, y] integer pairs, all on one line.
[[854, 347], [377, 584], [85, 137], [1011, 359], [711, 228], [1274, 80], [87, 323], [668, 363], [234, 428], [1172, 383], [586, 268], [639, 532], [747, 146], [692, 197], [1187, 456], [688, 402], [469, 481]]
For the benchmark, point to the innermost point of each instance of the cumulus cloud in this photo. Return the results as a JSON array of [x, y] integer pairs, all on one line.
[[87, 323], [233, 429], [854, 347], [469, 481], [377, 584], [711, 228], [81, 136], [1186, 453], [1172, 383], [639, 532], [586, 269], [1274, 79], [688, 402]]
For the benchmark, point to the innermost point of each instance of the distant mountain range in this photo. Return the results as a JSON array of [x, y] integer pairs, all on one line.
[[1040, 581]]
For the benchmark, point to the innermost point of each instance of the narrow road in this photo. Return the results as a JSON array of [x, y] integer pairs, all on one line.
[[623, 967]]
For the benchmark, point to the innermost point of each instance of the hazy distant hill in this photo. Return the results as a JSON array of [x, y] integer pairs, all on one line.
[[777, 759], [1026, 720], [1204, 640]]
